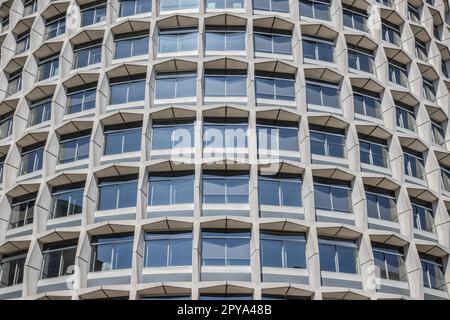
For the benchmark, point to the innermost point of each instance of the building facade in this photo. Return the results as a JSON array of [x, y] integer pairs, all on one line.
[[224, 149]]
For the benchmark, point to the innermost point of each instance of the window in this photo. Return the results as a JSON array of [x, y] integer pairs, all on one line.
[[283, 250], [32, 157], [123, 138], [93, 13], [387, 3], [226, 296], [367, 103], [277, 140], [225, 38], [338, 255], [111, 252], [130, 45], [74, 147], [168, 249], [374, 151], [173, 85], [87, 55], [398, 73], [167, 297], [127, 89], [170, 189], [14, 82], [437, 32], [225, 83], [2, 165], [224, 188], [275, 86], [132, 7], [5, 23], [55, 27], [391, 262], [58, 259], [355, 18], [67, 200], [6, 123], [224, 133], [315, 9], [225, 248], [23, 42], [273, 41], [360, 59], [414, 164], [81, 98], [169, 5], [332, 195], [283, 297], [433, 272], [421, 50], [11, 269], [29, 7], [406, 117], [428, 91], [445, 175], [323, 94], [177, 40], [280, 190], [48, 67], [423, 217], [444, 68], [413, 13], [40, 112], [381, 204], [117, 192], [327, 142], [224, 4], [316, 48], [22, 210], [390, 33], [168, 135], [271, 5]]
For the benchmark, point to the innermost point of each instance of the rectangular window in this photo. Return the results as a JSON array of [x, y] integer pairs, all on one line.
[[14, 82], [224, 133], [223, 188], [413, 13], [22, 210], [87, 55], [355, 19], [225, 248], [6, 123], [175, 85], [316, 48], [111, 252], [170, 189], [40, 112], [2, 166], [445, 174], [29, 7], [127, 89], [93, 13], [367, 103], [81, 98], [423, 217], [170, 135], [332, 195], [273, 41], [444, 68], [278, 86], [224, 83], [338, 255], [177, 40], [55, 27], [322, 94], [273, 139], [11, 269], [117, 192], [123, 138], [132, 7], [398, 73], [390, 261], [428, 89], [227, 296], [433, 272], [437, 32], [58, 259], [421, 50], [406, 117], [280, 190], [23, 42], [326, 142], [374, 152], [224, 4], [271, 5], [360, 59], [32, 158], [170, 5], [390, 33], [225, 38], [381, 204], [414, 164], [74, 147], [283, 250], [316, 9], [48, 67], [168, 249], [130, 45], [67, 200]]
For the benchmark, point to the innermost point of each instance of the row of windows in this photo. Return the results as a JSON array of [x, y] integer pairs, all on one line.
[[222, 248], [282, 190]]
